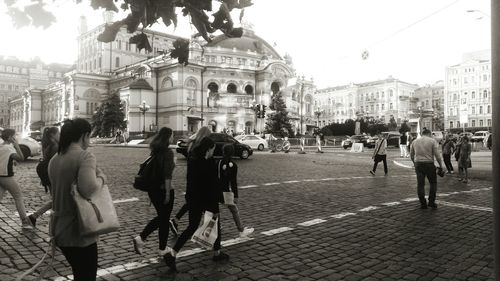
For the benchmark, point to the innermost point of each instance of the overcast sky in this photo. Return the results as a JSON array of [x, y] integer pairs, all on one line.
[[412, 40]]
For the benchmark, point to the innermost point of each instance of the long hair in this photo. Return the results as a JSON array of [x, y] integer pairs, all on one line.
[[201, 150], [71, 132], [48, 133], [161, 140], [227, 152], [202, 133], [7, 134]]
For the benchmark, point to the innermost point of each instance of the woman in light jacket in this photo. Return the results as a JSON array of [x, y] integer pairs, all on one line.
[[73, 163]]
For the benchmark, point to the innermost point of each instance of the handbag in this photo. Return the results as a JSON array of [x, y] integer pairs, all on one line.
[[97, 214], [228, 197], [207, 233]]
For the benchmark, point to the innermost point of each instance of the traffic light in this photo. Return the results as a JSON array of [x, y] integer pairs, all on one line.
[[262, 111]]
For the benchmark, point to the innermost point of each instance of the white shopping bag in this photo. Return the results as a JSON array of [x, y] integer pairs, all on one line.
[[228, 198], [207, 233]]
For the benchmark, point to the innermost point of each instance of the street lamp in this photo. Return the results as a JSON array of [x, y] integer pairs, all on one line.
[[318, 113], [144, 108]]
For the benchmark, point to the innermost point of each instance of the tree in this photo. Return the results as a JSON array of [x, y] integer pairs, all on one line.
[[142, 14], [278, 122], [109, 117]]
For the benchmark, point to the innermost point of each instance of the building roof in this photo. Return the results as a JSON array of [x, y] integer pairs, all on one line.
[[248, 42], [140, 84]]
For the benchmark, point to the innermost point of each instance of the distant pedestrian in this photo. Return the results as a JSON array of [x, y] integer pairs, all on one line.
[[379, 154], [202, 194], [464, 161], [409, 141], [162, 194], [200, 134], [403, 142], [10, 152], [50, 146], [423, 152], [448, 148], [227, 172], [73, 163]]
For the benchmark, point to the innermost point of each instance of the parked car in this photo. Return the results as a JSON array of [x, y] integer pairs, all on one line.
[[355, 139], [392, 138], [255, 142], [479, 136], [240, 149], [29, 146]]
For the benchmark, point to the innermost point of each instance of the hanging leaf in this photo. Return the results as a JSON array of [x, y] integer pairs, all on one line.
[[110, 31], [39, 16], [166, 11], [235, 33], [19, 18], [109, 5], [181, 51], [141, 41]]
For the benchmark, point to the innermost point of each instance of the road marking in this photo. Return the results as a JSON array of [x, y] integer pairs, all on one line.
[[402, 165], [389, 204], [291, 181], [306, 180], [276, 231], [341, 215], [133, 199], [271, 183], [413, 199], [247, 186], [470, 207], [311, 222], [369, 208]]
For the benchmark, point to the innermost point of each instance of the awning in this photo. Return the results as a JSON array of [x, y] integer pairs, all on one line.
[[195, 118]]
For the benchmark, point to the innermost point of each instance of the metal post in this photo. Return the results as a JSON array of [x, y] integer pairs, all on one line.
[[495, 101]]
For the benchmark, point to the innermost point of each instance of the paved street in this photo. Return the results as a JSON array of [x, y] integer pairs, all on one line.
[[317, 217]]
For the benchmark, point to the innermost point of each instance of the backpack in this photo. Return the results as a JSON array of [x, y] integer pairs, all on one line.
[[149, 175]]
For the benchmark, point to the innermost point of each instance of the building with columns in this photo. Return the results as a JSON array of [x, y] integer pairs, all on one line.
[[429, 106], [467, 93]]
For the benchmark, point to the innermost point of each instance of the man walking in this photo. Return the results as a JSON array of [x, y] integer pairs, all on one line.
[[403, 139], [422, 153], [379, 154]]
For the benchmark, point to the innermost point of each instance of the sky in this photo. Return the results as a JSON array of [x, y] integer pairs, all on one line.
[[411, 40]]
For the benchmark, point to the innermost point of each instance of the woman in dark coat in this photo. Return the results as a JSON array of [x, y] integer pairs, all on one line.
[[202, 194]]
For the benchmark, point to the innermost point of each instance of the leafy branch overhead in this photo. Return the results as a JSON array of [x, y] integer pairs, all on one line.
[[143, 13]]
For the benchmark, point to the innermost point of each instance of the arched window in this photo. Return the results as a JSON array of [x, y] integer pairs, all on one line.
[[275, 87], [231, 88], [213, 87], [167, 83], [249, 89], [191, 92]]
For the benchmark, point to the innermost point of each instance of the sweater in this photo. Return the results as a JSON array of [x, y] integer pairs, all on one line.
[[424, 149]]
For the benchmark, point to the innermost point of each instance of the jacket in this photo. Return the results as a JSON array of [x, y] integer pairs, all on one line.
[[202, 184]]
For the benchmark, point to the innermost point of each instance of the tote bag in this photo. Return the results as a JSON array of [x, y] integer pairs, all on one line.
[[207, 233], [97, 214]]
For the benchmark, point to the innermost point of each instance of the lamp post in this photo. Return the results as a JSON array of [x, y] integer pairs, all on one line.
[[144, 108], [318, 113]]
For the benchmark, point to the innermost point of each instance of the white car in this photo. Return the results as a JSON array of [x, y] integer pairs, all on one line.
[[480, 136], [29, 146], [255, 142]]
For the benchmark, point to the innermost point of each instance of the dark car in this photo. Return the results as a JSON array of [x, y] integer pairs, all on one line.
[[392, 138], [240, 149], [356, 139]]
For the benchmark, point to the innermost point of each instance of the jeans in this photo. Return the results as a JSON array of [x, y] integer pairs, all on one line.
[[10, 184], [424, 170], [378, 158], [195, 215], [236, 216], [83, 261], [160, 222], [182, 211], [404, 150], [447, 162]]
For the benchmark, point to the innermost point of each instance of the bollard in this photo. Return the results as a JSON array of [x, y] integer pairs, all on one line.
[[302, 141]]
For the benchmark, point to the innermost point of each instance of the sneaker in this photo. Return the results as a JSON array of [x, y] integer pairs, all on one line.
[[451, 172], [372, 172], [221, 257], [164, 252], [26, 224], [173, 227], [433, 206], [170, 261], [138, 244], [246, 232], [32, 220]]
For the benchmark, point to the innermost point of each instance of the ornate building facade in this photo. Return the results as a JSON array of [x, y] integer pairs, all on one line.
[[429, 106]]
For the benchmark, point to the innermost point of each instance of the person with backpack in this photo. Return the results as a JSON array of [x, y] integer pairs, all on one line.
[[10, 151], [202, 194], [202, 133], [379, 154], [160, 190], [50, 145], [227, 172]]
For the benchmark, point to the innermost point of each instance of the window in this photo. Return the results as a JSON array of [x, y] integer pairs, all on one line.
[[473, 123], [465, 80], [485, 93], [481, 123], [451, 124], [480, 109], [455, 97], [489, 109], [378, 107], [473, 95], [451, 111], [391, 93], [191, 88], [117, 62], [231, 88], [485, 77], [489, 122], [390, 106], [383, 106], [100, 62], [473, 109]]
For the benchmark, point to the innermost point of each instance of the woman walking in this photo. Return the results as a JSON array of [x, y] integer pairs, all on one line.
[[50, 145], [448, 148], [379, 154], [10, 151], [227, 172], [73, 163], [202, 133], [464, 161], [202, 194], [161, 194]]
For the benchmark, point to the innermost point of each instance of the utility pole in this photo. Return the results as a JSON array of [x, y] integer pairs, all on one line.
[[301, 111], [495, 155]]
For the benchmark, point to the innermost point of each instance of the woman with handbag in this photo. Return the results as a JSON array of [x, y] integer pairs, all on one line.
[[10, 151], [227, 172], [202, 194], [74, 164], [379, 154], [50, 145], [162, 194]]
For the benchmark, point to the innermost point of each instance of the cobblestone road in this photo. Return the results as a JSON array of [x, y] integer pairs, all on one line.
[[317, 217]]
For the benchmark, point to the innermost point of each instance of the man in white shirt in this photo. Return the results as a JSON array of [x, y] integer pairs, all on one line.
[[422, 152]]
